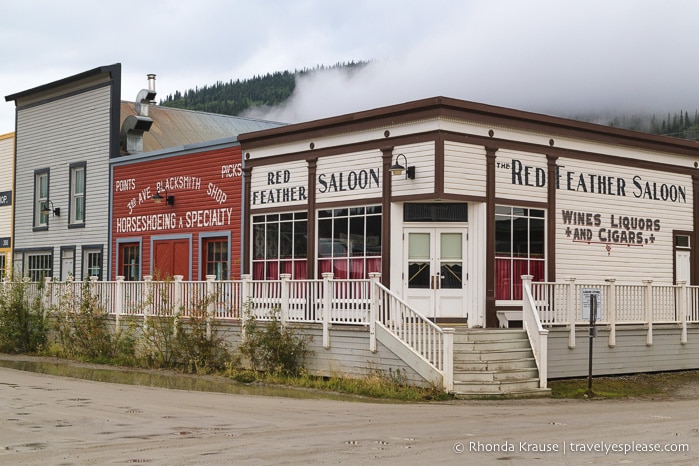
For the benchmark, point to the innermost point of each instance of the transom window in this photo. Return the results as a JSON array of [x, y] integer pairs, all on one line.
[[519, 249], [349, 241], [280, 245]]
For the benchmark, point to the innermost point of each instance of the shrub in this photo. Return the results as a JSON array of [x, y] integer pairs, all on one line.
[[185, 342], [85, 330], [22, 325], [273, 347]]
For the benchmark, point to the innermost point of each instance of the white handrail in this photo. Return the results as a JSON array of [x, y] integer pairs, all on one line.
[[538, 336], [426, 339]]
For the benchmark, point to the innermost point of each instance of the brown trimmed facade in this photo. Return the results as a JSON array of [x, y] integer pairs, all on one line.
[[577, 200]]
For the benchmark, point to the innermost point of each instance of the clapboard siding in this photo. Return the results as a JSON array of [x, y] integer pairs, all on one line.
[[348, 355], [422, 157], [520, 175], [200, 191], [346, 176], [52, 136], [631, 354], [267, 180], [7, 142], [464, 169], [652, 258]]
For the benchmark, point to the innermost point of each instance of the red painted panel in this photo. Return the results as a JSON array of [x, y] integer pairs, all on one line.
[[207, 191]]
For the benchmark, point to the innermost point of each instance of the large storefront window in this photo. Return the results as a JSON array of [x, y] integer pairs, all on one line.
[[279, 245], [349, 241], [519, 249]]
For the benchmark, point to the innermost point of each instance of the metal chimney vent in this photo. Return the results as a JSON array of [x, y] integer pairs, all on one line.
[[135, 125]]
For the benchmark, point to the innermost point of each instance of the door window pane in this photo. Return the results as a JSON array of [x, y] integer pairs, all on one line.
[[451, 256], [419, 260]]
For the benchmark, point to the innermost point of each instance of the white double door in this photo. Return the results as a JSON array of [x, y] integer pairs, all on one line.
[[434, 271]]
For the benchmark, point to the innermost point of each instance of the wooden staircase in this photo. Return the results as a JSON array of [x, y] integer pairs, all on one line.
[[495, 363]]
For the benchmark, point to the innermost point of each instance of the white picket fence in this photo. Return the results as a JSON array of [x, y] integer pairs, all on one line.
[[567, 304], [327, 301]]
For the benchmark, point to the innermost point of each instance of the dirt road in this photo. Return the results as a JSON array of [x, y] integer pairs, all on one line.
[[48, 420]]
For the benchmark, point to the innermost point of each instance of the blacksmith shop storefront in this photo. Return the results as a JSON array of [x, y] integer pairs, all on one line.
[[453, 201], [178, 213]]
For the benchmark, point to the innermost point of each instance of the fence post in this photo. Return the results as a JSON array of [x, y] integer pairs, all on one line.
[[648, 302], [327, 305], [611, 309], [150, 298], [177, 301], [448, 370], [245, 308], [119, 299], [210, 298], [284, 311], [373, 309], [572, 312], [48, 294], [683, 311]]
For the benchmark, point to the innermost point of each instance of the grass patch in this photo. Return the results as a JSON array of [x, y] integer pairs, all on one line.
[[625, 386], [379, 385]]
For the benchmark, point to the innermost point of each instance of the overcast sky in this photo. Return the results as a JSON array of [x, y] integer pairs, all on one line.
[[549, 56]]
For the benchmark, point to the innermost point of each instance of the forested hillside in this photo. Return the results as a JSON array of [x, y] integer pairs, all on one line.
[[235, 97]]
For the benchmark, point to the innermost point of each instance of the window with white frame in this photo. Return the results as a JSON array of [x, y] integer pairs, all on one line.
[[349, 241], [77, 193], [92, 264], [279, 245], [519, 249], [38, 266], [41, 197], [3, 266]]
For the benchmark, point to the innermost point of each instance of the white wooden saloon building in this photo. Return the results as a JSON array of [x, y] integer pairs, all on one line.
[[487, 195]]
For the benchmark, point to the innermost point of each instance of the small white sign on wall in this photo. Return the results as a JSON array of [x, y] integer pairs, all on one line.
[[588, 295]]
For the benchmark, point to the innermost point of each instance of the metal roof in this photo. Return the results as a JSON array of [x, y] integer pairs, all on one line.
[[173, 127]]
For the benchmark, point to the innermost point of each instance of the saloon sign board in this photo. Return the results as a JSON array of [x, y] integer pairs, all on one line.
[[355, 175], [627, 223]]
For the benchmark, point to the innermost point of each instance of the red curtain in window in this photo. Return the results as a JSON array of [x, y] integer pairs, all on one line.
[[537, 269], [300, 270], [508, 276], [285, 266], [258, 270], [503, 274], [357, 268], [324, 266], [340, 268], [373, 265], [272, 270]]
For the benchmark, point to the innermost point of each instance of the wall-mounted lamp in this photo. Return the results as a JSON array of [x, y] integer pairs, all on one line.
[[157, 198], [397, 168], [45, 209]]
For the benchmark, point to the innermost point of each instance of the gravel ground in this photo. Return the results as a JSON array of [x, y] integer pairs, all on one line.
[[53, 420]]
